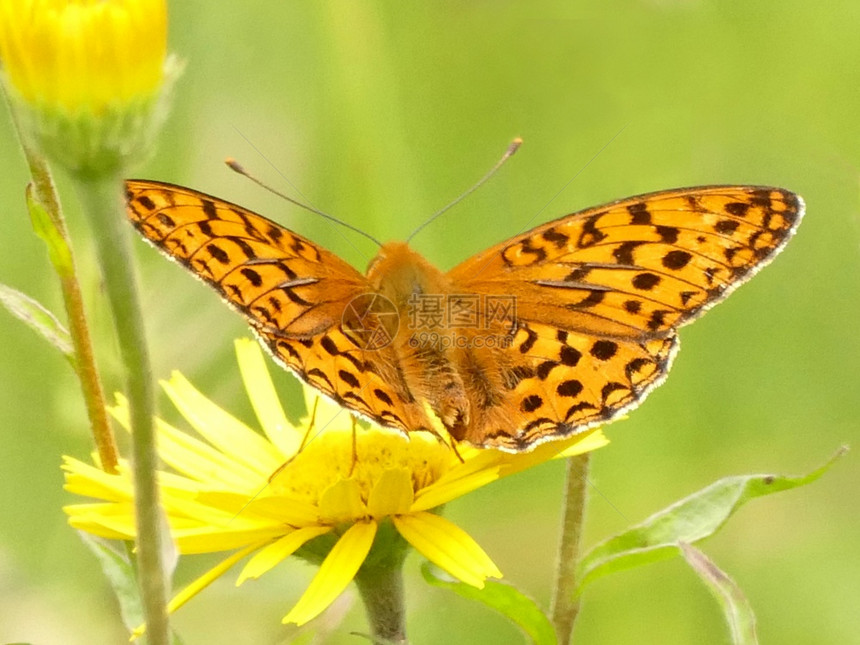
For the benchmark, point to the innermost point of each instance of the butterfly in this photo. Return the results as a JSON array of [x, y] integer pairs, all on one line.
[[556, 330]]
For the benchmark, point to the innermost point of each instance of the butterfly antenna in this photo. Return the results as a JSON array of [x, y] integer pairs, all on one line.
[[234, 165], [515, 144]]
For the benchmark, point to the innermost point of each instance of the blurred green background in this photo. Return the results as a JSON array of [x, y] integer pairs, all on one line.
[[381, 112]]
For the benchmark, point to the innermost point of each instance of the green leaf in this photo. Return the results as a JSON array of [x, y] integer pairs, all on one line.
[[120, 573], [736, 609], [38, 318], [46, 228], [689, 520], [502, 597]]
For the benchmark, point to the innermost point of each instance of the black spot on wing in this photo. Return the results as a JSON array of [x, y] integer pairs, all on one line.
[[738, 209], [545, 368], [349, 378], [252, 276], [145, 201], [668, 234], [209, 208], [552, 235], [529, 342], [645, 281], [603, 350], [727, 226], [569, 388], [165, 219], [531, 403], [382, 396], [590, 234], [218, 253], [677, 259], [623, 253], [569, 356]]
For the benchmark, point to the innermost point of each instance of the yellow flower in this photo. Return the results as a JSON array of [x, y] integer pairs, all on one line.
[[86, 77], [83, 55], [326, 490]]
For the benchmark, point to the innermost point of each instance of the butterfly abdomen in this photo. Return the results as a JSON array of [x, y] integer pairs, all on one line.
[[422, 345]]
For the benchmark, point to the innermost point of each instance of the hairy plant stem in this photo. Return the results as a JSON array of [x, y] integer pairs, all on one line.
[[102, 200], [380, 584], [381, 589], [85, 364], [565, 601]]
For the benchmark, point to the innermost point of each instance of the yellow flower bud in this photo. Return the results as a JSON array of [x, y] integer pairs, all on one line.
[[86, 77]]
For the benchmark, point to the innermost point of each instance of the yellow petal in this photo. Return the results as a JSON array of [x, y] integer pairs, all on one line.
[[278, 508], [87, 480], [112, 521], [341, 502], [99, 530], [578, 444], [391, 494], [218, 518], [515, 463], [264, 399], [447, 546], [288, 510], [191, 456], [336, 572], [203, 462], [593, 441], [274, 553], [444, 489], [481, 461], [220, 428], [205, 539]]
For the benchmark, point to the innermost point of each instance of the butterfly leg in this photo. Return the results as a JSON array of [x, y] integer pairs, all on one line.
[[450, 442], [453, 445], [305, 439], [311, 424], [354, 446]]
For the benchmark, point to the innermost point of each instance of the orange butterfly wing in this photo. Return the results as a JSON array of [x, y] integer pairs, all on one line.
[[599, 296], [601, 293], [292, 292]]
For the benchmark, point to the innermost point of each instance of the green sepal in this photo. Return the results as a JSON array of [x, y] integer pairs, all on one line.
[[49, 231]]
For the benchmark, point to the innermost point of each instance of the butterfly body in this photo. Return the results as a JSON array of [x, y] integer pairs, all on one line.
[[429, 371], [556, 330]]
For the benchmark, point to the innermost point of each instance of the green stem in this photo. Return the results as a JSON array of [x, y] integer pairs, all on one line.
[[380, 583], [381, 589], [85, 364], [102, 199], [565, 602]]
